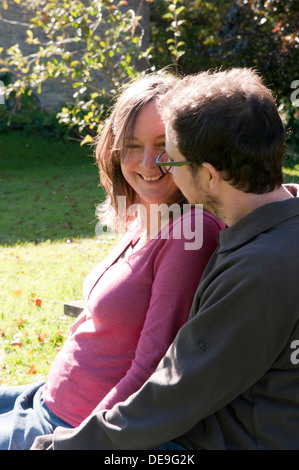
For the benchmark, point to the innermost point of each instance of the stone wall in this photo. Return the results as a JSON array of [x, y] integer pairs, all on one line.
[[13, 25]]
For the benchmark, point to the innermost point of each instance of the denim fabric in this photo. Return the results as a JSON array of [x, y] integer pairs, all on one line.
[[24, 416]]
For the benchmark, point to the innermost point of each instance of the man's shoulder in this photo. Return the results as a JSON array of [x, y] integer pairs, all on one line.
[[271, 254]]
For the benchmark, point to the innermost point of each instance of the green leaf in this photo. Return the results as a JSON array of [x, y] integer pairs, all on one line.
[[168, 16], [180, 10]]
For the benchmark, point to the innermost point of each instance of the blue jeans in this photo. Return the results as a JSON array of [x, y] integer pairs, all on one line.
[[24, 416]]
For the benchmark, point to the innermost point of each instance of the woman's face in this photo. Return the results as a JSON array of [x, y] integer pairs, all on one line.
[[139, 162]]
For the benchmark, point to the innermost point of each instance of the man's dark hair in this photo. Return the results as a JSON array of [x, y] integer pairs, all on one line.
[[229, 119]]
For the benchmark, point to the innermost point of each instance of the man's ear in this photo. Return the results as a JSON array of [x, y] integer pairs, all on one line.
[[213, 176]]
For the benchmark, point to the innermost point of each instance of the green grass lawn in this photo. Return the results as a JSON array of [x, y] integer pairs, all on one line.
[[49, 191], [49, 188], [36, 280]]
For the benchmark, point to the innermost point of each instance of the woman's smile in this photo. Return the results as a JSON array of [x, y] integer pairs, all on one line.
[[139, 163], [151, 178]]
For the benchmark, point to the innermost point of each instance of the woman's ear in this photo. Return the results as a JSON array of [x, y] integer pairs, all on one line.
[[212, 175]]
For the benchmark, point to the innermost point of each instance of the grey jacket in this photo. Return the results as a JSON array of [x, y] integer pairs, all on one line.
[[230, 380]]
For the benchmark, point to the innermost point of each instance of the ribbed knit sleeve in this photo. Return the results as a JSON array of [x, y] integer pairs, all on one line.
[[177, 271]]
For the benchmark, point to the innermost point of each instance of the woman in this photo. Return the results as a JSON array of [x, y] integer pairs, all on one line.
[[137, 298]]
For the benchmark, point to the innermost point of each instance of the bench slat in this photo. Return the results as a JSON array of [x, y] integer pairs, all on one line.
[[74, 308]]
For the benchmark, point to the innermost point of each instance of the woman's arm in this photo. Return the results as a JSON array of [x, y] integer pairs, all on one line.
[[177, 272]]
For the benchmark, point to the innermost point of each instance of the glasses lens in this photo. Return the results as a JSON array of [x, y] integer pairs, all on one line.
[[164, 159]]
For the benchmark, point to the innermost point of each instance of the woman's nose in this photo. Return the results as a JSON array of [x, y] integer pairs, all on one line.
[[148, 159]]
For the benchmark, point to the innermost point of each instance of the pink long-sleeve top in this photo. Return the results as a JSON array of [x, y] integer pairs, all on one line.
[[134, 307]]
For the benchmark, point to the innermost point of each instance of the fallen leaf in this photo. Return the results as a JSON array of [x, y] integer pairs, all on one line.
[[42, 337], [32, 370], [17, 293]]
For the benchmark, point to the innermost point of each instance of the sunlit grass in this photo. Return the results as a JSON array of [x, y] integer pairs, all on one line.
[[49, 189], [36, 280]]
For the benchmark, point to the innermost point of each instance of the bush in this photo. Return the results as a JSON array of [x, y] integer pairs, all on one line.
[[84, 37]]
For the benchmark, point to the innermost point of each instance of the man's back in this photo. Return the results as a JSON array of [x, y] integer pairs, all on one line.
[[247, 313]]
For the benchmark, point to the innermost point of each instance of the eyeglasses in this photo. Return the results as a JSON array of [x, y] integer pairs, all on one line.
[[165, 164]]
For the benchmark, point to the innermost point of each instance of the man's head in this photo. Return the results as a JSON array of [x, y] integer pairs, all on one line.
[[230, 120]]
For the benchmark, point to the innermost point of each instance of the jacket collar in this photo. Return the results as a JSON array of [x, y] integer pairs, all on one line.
[[258, 221]]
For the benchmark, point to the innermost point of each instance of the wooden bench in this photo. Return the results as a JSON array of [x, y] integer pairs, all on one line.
[[74, 308]]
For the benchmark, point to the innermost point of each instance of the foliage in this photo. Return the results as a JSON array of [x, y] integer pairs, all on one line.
[[262, 34], [83, 38], [22, 112], [168, 41]]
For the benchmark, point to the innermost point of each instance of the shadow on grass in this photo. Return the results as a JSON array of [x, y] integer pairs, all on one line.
[[49, 189]]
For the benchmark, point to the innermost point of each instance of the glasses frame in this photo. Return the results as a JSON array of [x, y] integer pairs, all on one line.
[[169, 164]]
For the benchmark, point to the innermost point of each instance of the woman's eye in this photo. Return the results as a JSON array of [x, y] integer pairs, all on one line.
[[133, 147]]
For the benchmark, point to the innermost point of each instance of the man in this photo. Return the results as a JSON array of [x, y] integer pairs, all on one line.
[[230, 379]]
